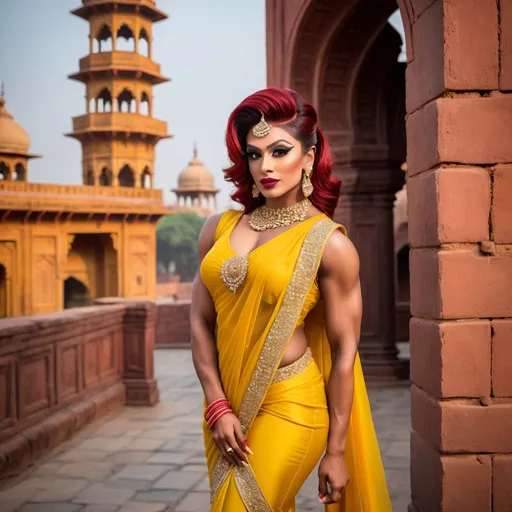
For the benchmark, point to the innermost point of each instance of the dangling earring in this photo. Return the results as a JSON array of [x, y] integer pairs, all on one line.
[[307, 186], [255, 191]]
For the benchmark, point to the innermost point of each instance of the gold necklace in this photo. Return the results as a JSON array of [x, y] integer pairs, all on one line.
[[268, 218], [234, 270]]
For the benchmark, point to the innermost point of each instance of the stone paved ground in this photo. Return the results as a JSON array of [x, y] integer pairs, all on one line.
[[151, 459]]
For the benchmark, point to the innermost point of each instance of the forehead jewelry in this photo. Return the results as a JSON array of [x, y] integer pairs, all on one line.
[[262, 128]]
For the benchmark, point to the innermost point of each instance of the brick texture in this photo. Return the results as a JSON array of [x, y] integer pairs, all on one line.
[[462, 426], [502, 204], [455, 49], [502, 483], [449, 204], [460, 283], [502, 358], [451, 359], [506, 45], [464, 129], [449, 483], [173, 323]]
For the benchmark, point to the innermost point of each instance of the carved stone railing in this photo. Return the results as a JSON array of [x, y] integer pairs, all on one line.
[[61, 371]]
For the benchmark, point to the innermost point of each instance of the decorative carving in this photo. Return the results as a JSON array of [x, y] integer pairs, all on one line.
[[71, 239], [45, 274], [114, 237]]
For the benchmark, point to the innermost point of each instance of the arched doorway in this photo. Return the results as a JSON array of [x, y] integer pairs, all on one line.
[[76, 293], [92, 261], [353, 75], [4, 310]]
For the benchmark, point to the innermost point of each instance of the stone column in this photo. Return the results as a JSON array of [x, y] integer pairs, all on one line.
[[138, 346], [460, 194], [366, 209]]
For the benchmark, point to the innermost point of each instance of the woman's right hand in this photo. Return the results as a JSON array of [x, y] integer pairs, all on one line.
[[227, 432]]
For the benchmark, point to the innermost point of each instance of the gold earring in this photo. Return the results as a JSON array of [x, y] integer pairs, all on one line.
[[255, 191], [307, 186]]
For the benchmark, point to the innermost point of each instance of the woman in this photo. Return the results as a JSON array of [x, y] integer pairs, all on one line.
[[276, 313]]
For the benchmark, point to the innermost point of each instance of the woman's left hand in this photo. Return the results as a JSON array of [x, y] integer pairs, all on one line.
[[333, 478]]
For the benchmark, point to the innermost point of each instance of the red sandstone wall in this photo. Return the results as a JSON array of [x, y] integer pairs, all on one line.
[[173, 324], [58, 372]]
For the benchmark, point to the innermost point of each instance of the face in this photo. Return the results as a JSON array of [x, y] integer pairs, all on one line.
[[276, 162]]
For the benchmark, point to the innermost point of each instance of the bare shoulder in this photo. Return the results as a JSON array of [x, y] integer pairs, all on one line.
[[340, 259]]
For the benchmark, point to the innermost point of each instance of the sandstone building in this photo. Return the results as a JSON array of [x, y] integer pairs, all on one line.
[[63, 245]]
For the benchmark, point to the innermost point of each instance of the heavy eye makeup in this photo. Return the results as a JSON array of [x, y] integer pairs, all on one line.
[[277, 152]]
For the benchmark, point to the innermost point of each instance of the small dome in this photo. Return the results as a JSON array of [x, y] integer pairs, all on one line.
[[195, 177], [13, 137]]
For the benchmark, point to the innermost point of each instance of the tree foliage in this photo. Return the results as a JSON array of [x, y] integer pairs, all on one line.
[[176, 243]]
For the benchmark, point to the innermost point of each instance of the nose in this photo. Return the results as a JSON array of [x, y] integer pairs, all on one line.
[[266, 163]]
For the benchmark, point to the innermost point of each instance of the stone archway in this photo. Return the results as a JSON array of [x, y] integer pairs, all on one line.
[[76, 293], [459, 196], [354, 77], [92, 260]]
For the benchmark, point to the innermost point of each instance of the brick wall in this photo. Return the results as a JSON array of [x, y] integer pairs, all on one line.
[[173, 323]]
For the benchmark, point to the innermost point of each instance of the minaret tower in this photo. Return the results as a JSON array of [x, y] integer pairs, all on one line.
[[118, 132]]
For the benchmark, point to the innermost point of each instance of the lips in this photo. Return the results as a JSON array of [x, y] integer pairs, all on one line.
[[269, 182]]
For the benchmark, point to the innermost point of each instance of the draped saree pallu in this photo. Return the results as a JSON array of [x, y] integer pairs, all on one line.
[[283, 411]]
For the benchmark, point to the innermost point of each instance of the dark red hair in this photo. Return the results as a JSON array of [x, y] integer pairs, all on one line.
[[300, 120]]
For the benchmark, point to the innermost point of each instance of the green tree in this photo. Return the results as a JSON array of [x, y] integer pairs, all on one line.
[[176, 243]]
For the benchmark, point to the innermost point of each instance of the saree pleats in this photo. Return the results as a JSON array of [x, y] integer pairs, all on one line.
[[285, 419]]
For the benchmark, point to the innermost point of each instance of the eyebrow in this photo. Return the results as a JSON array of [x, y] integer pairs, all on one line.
[[270, 145]]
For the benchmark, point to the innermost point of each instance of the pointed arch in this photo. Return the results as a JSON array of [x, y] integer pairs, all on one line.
[[126, 177], [105, 177], [104, 101], [125, 39], [144, 43], [19, 173], [145, 107], [103, 40], [146, 178], [126, 101], [4, 171]]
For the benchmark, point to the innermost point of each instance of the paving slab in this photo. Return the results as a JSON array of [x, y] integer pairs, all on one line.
[[151, 459]]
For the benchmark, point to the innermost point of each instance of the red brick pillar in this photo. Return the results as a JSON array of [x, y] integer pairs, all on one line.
[[138, 348], [459, 130]]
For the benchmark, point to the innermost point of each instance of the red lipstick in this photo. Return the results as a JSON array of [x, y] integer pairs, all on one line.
[[269, 182]]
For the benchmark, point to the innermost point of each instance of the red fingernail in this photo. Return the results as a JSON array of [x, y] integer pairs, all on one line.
[[320, 495]]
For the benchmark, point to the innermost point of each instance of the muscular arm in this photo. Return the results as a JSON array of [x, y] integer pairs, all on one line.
[[341, 290], [203, 320]]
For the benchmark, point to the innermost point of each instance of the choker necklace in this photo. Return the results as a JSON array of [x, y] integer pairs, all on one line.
[[268, 218]]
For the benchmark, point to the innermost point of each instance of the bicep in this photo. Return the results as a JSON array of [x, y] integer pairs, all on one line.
[[341, 290]]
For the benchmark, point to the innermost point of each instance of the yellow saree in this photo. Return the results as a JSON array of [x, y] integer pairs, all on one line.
[[282, 411]]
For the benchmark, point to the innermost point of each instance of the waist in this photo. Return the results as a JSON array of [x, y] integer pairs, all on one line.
[[293, 369]]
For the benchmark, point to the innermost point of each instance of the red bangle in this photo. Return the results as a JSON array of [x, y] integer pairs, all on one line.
[[214, 409], [221, 413], [220, 402]]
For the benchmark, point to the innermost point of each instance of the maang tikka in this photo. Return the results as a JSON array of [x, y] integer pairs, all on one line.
[[307, 186], [262, 128]]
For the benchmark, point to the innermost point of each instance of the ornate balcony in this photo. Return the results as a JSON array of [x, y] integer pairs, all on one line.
[[110, 63]]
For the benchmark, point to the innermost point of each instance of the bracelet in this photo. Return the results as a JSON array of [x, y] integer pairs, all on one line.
[[221, 413], [215, 405]]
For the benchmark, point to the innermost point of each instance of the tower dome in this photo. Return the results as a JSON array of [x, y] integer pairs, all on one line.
[[196, 188], [196, 177], [13, 137]]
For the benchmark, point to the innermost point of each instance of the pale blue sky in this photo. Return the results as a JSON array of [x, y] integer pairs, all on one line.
[[213, 51]]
